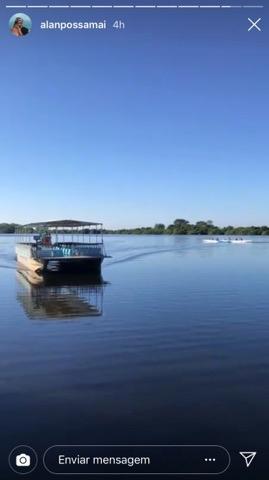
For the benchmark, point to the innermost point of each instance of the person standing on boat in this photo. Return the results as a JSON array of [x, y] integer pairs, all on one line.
[[46, 240]]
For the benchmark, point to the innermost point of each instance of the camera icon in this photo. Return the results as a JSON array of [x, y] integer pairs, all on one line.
[[23, 460]]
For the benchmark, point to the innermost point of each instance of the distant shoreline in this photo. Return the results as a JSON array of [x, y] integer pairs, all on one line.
[[178, 227]]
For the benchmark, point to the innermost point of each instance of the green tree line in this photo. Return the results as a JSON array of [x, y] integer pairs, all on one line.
[[183, 227], [8, 227], [179, 227]]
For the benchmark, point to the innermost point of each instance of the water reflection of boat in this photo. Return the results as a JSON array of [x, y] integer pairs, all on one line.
[[54, 297]]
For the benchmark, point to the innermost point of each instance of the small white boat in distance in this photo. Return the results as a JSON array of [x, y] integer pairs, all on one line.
[[211, 240], [241, 240]]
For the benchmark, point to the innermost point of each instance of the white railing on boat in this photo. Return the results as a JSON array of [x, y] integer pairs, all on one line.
[[69, 251]]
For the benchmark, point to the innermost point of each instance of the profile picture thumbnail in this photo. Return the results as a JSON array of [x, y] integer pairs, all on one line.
[[20, 25]]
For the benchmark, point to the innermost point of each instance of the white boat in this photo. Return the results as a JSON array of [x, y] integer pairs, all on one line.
[[211, 240], [239, 241]]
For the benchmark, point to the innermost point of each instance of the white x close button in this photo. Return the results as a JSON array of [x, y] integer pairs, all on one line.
[[254, 24]]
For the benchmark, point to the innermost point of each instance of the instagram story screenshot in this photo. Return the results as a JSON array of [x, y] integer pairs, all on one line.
[[134, 239]]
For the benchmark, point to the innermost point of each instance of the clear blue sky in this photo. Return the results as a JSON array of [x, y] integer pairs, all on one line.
[[166, 119]]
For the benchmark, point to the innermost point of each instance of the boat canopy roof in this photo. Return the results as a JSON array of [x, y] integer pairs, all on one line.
[[63, 224]]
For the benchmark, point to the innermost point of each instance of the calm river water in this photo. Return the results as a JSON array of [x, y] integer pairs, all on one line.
[[172, 349]]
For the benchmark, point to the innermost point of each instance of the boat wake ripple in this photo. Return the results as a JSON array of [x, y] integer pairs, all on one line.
[[135, 256]]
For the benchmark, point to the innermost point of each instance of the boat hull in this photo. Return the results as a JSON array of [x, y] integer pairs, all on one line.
[[59, 260], [73, 265], [30, 264], [62, 265]]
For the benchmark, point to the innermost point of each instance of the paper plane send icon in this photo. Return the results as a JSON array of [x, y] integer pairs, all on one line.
[[248, 457]]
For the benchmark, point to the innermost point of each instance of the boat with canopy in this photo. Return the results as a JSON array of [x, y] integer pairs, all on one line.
[[62, 246]]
